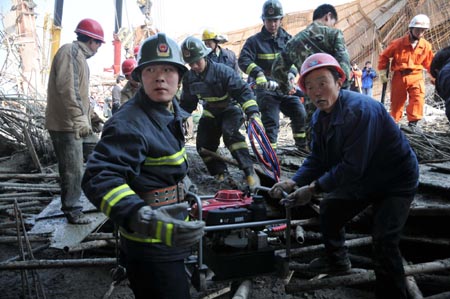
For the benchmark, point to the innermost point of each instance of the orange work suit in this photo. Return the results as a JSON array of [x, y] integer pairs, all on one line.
[[407, 64]]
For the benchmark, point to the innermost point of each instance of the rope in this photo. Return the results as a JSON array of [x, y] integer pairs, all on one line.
[[266, 156]]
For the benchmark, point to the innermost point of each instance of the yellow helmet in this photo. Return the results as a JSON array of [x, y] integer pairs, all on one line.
[[209, 34]]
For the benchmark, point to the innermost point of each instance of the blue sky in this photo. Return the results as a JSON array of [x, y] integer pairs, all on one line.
[[175, 17]]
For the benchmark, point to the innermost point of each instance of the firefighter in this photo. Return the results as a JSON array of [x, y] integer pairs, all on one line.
[[219, 54], [69, 116], [359, 158], [134, 172], [115, 93], [132, 86], [410, 55], [255, 60], [225, 95]]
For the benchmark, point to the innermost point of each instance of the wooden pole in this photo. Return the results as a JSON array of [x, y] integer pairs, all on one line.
[[314, 248], [244, 290], [366, 277], [445, 295]]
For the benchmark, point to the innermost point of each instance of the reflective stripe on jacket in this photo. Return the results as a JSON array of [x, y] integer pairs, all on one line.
[[218, 86], [141, 149], [260, 50]]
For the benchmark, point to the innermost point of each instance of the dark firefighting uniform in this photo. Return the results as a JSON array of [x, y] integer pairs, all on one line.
[[226, 57], [140, 157], [360, 158], [224, 95], [257, 55]]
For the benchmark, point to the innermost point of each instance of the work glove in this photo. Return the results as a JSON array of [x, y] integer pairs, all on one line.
[[97, 123], [256, 116], [299, 197], [278, 189], [81, 126], [292, 83], [162, 224], [383, 77], [271, 85]]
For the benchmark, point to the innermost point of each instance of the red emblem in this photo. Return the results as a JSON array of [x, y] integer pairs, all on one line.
[[163, 50]]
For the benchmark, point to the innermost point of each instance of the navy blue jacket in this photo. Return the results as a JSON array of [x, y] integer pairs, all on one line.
[[218, 84], [141, 149], [443, 86], [226, 57], [260, 50], [363, 152]]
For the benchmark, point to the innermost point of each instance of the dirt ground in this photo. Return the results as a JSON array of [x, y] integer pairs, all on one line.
[[95, 282]]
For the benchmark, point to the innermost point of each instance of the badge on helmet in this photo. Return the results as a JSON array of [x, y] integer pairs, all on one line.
[[158, 49], [194, 49], [272, 9]]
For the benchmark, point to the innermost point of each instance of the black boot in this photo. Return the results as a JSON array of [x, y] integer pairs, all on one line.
[[327, 265]]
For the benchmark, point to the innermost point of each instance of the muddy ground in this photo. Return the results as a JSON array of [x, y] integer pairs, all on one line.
[[95, 282]]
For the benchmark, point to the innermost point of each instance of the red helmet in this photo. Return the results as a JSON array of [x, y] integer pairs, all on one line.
[[128, 66], [317, 61], [91, 28], [136, 50]]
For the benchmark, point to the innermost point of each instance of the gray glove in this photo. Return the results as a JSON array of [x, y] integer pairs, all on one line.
[[300, 197], [271, 85], [81, 126], [278, 189], [161, 224], [291, 80]]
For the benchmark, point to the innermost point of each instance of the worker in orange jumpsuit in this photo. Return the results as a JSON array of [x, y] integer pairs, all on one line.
[[410, 55]]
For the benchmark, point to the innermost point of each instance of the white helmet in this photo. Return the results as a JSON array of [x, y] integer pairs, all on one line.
[[420, 21]]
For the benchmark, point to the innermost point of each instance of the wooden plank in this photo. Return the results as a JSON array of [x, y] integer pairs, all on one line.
[[64, 235]]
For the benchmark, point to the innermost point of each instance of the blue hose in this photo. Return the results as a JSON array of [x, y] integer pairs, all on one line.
[[266, 156]]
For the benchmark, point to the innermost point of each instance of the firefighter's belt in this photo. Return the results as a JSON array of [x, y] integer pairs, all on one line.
[[217, 105], [163, 196], [407, 72]]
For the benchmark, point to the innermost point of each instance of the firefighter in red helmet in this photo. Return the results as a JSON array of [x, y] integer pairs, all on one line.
[[132, 86], [69, 117]]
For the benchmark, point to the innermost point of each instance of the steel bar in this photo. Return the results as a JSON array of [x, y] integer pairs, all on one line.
[[9, 176], [17, 195], [52, 264], [21, 205], [26, 199]]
